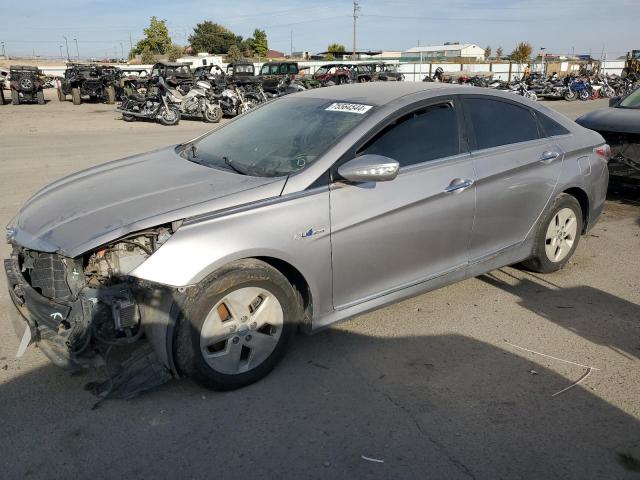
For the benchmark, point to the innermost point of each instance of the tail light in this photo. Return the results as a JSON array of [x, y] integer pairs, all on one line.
[[603, 151]]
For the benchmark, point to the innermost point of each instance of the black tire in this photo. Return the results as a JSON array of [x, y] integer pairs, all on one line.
[[128, 118], [239, 274], [61, 96], [213, 114], [540, 261], [15, 97], [110, 95], [75, 96], [570, 96], [169, 118], [40, 97]]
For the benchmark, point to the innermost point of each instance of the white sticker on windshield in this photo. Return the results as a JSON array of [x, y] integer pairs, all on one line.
[[349, 107]]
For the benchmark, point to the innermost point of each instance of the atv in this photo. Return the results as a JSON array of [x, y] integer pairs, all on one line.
[[26, 85], [88, 80]]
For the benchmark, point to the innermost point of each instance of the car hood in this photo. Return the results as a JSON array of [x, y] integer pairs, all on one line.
[[622, 120], [95, 206]]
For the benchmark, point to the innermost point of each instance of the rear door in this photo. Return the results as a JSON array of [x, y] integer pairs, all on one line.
[[517, 170], [386, 236]]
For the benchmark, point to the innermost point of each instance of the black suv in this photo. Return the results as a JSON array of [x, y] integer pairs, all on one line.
[[26, 85], [88, 80], [271, 73]]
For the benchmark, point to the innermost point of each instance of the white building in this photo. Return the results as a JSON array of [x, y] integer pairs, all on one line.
[[449, 50], [201, 60]]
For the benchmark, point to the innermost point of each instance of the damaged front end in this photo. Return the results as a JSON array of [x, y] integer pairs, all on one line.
[[80, 311]]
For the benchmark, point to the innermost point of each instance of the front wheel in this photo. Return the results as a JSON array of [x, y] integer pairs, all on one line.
[[169, 116], [557, 236], [75, 96], [110, 94], [585, 95], [236, 326], [212, 113]]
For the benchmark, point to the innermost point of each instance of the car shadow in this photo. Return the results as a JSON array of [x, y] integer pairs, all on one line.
[[341, 405], [597, 316]]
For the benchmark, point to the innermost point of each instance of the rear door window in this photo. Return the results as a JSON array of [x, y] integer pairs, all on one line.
[[496, 122], [549, 127]]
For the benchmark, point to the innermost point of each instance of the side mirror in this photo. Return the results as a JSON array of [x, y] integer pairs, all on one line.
[[370, 168], [613, 101]]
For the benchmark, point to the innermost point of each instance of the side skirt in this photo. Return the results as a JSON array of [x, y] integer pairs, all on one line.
[[509, 256]]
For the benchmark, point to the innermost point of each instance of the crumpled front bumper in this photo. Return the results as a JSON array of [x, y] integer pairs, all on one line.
[[37, 313]]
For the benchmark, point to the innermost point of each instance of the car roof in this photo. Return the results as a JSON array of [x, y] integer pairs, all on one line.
[[376, 93]]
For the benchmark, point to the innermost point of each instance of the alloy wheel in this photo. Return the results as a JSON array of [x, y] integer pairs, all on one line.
[[561, 234], [242, 330]]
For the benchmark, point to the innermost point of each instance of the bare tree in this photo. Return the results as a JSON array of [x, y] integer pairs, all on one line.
[[522, 52], [499, 53], [487, 51]]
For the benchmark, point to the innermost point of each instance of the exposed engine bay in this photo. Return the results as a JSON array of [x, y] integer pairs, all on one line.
[[625, 151], [85, 305]]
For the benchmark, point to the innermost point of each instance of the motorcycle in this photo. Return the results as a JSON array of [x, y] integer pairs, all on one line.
[[234, 101], [162, 105], [200, 102]]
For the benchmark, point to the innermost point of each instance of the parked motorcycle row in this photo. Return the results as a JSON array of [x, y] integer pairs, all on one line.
[[535, 86]]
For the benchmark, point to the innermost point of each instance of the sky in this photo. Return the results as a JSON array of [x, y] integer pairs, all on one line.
[[104, 27]]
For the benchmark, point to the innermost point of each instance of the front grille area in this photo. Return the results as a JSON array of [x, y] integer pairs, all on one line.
[[46, 273]]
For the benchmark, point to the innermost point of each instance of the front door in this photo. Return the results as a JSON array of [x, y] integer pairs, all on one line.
[[389, 235]]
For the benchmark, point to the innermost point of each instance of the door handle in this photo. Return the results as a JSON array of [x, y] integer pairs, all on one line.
[[548, 156], [458, 185]]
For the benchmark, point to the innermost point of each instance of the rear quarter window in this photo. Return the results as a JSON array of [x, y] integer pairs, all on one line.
[[496, 122], [549, 127]]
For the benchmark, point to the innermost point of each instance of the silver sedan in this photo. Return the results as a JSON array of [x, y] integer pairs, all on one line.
[[209, 255]]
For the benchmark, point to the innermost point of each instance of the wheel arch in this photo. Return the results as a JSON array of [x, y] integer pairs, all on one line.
[[583, 199]]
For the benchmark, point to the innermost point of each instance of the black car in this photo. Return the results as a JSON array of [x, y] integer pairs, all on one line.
[[88, 80], [176, 74], [26, 85], [273, 72], [620, 127]]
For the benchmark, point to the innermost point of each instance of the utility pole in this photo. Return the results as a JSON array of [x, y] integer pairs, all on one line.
[[66, 42], [122, 50], [61, 54], [130, 44], [356, 9], [291, 46], [4, 55], [77, 49]]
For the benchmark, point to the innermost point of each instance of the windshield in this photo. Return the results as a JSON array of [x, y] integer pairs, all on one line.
[[321, 71], [632, 101], [280, 138]]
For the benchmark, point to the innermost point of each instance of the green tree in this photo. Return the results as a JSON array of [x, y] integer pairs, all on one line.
[[157, 39], [336, 49], [259, 40], [329, 57], [213, 38], [522, 52], [175, 52], [234, 54], [499, 53], [148, 58], [487, 51]]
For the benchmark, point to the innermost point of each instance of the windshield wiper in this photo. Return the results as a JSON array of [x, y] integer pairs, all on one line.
[[230, 164]]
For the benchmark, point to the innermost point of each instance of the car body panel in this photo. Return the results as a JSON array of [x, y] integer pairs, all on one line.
[[613, 119], [400, 232], [89, 208]]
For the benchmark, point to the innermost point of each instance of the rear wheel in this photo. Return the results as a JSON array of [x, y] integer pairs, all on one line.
[[75, 96], [557, 236], [40, 97], [61, 96], [237, 326], [570, 96], [15, 97]]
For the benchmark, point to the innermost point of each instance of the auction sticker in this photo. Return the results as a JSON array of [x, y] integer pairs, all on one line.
[[349, 108]]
